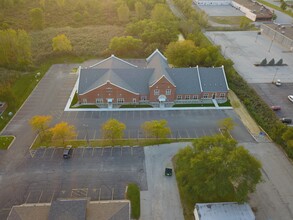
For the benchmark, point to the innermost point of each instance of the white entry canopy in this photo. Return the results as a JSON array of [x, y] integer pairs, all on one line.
[[110, 100], [162, 98]]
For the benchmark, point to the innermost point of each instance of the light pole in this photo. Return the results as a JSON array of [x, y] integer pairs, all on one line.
[[275, 75], [87, 135]]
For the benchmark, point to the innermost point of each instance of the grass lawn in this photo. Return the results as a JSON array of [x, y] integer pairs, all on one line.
[[290, 13], [136, 106], [133, 195], [86, 106], [104, 143], [225, 104], [195, 105], [231, 20], [5, 141]]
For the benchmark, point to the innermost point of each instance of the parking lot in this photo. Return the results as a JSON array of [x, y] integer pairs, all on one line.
[[222, 10], [277, 95]]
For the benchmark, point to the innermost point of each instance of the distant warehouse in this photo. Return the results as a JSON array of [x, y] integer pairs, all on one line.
[[252, 9]]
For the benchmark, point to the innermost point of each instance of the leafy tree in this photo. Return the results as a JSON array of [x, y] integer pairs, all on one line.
[[60, 3], [37, 18], [15, 49], [162, 13], [227, 124], [156, 129], [63, 131], [40, 123], [182, 53], [61, 43], [123, 13], [128, 45], [215, 169], [113, 130], [140, 10], [283, 6]]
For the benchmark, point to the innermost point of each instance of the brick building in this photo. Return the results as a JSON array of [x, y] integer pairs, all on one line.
[[114, 81]]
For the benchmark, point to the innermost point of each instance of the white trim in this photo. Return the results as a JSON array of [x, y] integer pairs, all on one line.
[[225, 77], [160, 79], [156, 51], [78, 77], [111, 84], [199, 79], [112, 56]]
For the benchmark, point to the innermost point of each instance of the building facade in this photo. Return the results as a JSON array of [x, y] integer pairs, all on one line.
[[114, 82]]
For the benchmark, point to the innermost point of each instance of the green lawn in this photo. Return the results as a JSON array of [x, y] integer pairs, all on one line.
[[104, 143], [231, 20], [136, 106], [288, 11], [195, 105], [5, 141], [133, 194]]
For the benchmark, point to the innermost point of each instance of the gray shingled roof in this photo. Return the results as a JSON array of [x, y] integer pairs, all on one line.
[[134, 80], [160, 65], [213, 79], [64, 209], [113, 62], [186, 80]]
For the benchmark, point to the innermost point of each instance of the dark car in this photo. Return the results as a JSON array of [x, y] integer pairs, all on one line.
[[67, 152], [276, 107], [168, 171], [286, 120]]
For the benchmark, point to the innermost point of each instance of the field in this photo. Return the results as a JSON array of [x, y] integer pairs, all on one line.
[[231, 20]]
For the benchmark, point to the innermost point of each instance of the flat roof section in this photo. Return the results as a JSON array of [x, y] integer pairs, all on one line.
[[257, 8]]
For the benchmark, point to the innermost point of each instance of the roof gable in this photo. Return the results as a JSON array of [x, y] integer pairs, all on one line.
[[159, 63], [113, 62]]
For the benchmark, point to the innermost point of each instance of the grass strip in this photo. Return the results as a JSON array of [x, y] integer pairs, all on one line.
[[5, 142], [133, 194]]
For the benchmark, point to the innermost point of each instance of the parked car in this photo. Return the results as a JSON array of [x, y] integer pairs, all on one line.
[[286, 120], [278, 83], [276, 107], [67, 152], [168, 171], [290, 97]]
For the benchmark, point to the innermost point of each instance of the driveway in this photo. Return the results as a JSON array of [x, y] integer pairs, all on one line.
[[161, 200]]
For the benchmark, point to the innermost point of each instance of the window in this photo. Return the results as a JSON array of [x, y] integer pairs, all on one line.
[[99, 100], [84, 100], [168, 91], [222, 95], [120, 100], [187, 97], [156, 92], [143, 98], [134, 100], [194, 97], [205, 96], [179, 97]]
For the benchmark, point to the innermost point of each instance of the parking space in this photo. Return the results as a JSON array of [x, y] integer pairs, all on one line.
[[276, 95], [223, 10]]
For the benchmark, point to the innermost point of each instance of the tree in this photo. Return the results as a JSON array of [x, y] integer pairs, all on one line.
[[127, 45], [123, 13], [61, 43], [40, 123], [156, 129], [37, 18], [283, 6], [162, 13], [140, 10], [182, 53], [227, 124], [215, 169], [113, 130], [15, 49], [63, 131]]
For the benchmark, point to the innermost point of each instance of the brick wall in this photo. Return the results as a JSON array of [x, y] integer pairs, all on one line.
[[162, 85]]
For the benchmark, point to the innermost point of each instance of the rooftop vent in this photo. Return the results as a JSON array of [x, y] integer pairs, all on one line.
[[283, 32]]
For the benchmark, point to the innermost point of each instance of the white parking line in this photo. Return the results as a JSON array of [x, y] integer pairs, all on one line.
[[93, 150], [121, 151], [111, 151], [100, 194], [52, 153], [102, 152], [82, 152], [92, 114], [112, 193], [44, 153], [95, 134], [131, 151], [28, 196], [40, 197], [187, 133], [195, 133]]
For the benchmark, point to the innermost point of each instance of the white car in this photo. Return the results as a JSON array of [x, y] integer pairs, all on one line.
[[290, 97]]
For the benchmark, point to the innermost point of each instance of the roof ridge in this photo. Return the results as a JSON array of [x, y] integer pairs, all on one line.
[[156, 51], [111, 57]]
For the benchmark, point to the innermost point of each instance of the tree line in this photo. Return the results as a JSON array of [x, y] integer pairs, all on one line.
[[111, 130]]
